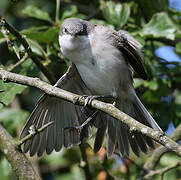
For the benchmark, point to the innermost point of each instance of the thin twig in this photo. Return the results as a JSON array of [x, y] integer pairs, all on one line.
[[162, 171], [85, 164], [134, 125], [9, 42], [33, 133], [57, 11], [28, 49], [152, 161], [12, 67], [158, 152]]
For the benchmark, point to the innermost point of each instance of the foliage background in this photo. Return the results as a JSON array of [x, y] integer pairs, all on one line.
[[153, 23]]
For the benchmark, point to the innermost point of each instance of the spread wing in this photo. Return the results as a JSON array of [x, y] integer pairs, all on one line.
[[62, 113], [131, 49]]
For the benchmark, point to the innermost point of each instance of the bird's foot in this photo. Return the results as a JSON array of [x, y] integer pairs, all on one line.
[[79, 128], [91, 114], [72, 128], [89, 99]]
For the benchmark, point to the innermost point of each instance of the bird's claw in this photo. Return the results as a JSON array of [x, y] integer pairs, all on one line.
[[89, 99], [77, 128]]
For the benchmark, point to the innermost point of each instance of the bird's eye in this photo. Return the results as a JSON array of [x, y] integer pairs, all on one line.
[[65, 30]]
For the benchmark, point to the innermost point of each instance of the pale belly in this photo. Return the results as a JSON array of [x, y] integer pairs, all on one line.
[[101, 80]]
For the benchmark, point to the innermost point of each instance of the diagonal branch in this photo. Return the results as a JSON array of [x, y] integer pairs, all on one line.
[[157, 153], [28, 49], [10, 43], [33, 133], [12, 67], [105, 107], [20, 164], [162, 171], [85, 165]]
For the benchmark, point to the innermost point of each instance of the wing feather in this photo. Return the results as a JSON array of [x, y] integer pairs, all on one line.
[[132, 51], [62, 113]]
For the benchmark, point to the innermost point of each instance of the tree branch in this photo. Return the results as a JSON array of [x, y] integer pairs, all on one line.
[[10, 43], [12, 67], [105, 107], [158, 152], [20, 164], [33, 133], [152, 161], [162, 171], [57, 11], [28, 49], [84, 165]]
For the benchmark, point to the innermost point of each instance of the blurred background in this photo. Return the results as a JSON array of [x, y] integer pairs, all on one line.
[[155, 24]]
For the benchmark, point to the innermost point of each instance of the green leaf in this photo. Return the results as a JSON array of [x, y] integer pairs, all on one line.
[[116, 13], [160, 26], [34, 29], [152, 85], [11, 89], [1, 35], [6, 171], [36, 48], [138, 82], [71, 11], [178, 48], [12, 118], [37, 13], [46, 36]]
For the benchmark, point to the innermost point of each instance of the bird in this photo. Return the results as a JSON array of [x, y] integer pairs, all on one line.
[[102, 60]]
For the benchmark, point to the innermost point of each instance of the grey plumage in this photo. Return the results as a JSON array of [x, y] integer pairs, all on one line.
[[101, 66], [62, 113]]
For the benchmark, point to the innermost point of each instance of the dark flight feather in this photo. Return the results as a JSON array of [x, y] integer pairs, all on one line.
[[131, 50], [62, 113]]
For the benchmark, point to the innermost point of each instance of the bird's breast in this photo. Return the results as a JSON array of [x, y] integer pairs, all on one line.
[[101, 66], [101, 76]]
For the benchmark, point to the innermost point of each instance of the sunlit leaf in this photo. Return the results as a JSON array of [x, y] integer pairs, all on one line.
[[12, 118], [10, 90], [152, 85], [36, 48], [159, 26], [138, 82], [116, 13]]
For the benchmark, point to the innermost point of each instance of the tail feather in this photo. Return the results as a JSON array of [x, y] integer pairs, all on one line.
[[119, 135], [123, 142], [133, 144], [101, 131], [112, 136], [145, 115], [141, 142]]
